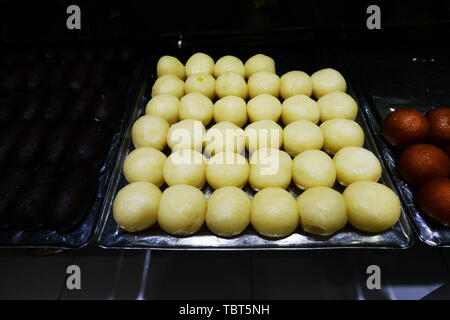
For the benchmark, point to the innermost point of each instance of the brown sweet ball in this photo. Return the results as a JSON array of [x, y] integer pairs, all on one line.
[[448, 150], [439, 119], [434, 199], [405, 127], [422, 162]]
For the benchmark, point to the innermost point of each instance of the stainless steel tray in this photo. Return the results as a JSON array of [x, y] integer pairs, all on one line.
[[111, 236], [375, 110]]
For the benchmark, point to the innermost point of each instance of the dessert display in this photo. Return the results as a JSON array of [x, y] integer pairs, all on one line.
[[313, 168], [231, 109], [294, 83], [341, 133], [264, 107], [356, 164], [136, 206], [164, 105], [59, 113], [371, 206], [270, 167], [231, 84], [145, 165], [299, 107], [302, 135], [228, 211], [263, 82], [405, 127], [422, 143], [185, 166], [236, 153], [196, 106], [274, 212], [322, 211], [227, 169], [182, 210], [337, 105], [150, 131]]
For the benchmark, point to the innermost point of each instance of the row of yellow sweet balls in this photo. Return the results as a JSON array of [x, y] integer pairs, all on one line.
[[262, 107], [268, 167], [230, 73], [181, 210]]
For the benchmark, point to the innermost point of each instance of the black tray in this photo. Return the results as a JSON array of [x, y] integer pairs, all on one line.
[[83, 234], [111, 236]]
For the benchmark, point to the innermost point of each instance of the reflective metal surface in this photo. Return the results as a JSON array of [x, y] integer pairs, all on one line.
[[111, 236]]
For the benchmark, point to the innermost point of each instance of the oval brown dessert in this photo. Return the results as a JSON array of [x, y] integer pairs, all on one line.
[[434, 199], [422, 162], [439, 119], [448, 150], [405, 127]]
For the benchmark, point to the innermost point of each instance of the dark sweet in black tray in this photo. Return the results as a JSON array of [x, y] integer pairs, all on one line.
[[80, 76], [70, 205], [9, 138], [37, 75], [82, 104], [10, 104], [58, 76], [89, 148], [11, 185], [28, 211], [30, 144], [15, 78], [58, 142], [56, 105], [108, 109], [33, 104], [69, 54], [50, 54], [101, 74]]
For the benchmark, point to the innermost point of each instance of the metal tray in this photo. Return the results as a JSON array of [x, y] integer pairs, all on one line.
[[111, 236], [83, 234], [376, 109]]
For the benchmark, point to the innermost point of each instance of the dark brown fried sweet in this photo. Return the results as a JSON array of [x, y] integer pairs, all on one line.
[[9, 139], [439, 119], [58, 142], [29, 147], [56, 105], [434, 199]]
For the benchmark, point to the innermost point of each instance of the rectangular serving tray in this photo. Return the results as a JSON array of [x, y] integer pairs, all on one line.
[[109, 234]]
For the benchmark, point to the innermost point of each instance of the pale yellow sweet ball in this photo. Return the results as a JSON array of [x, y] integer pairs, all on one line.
[[263, 82], [186, 134], [270, 168], [337, 105], [185, 167], [150, 131], [264, 107], [263, 134], [371, 206], [259, 62], [145, 165], [322, 211], [201, 82], [182, 210], [168, 84], [300, 107], [224, 136], [136, 205], [313, 168], [199, 63], [341, 133], [327, 80], [228, 211], [164, 105], [274, 212], [295, 82], [229, 64], [302, 135], [227, 169], [232, 109], [356, 164], [196, 106], [231, 84], [170, 65]]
